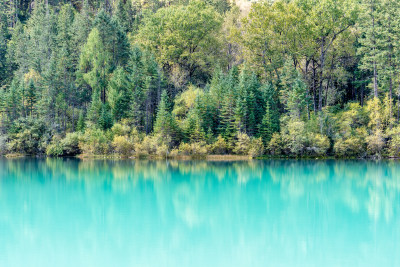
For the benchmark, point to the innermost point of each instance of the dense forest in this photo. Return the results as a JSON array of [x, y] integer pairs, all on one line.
[[190, 78]]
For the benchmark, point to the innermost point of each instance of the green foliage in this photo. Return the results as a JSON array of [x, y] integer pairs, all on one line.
[[297, 78], [294, 91], [28, 136], [94, 142], [81, 125], [123, 145], [275, 145], [256, 148], [31, 98], [3, 144], [266, 128], [165, 124], [105, 120], [220, 147], [196, 149], [183, 38], [394, 143], [119, 94]]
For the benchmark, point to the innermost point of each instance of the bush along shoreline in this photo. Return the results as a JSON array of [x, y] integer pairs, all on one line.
[[352, 135]]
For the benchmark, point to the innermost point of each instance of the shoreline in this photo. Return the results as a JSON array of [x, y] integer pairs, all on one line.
[[228, 157]]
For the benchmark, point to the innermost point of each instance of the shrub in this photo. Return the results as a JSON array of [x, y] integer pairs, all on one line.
[[70, 144], [3, 144], [120, 129], [220, 146], [318, 144], [275, 145], [152, 145], [394, 142], [162, 150], [94, 142], [294, 137], [54, 149], [123, 145], [28, 136], [256, 147], [353, 146], [375, 143], [174, 153], [242, 146], [197, 149]]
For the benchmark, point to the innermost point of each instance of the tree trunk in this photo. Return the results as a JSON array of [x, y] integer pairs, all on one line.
[[314, 89], [322, 62], [362, 96]]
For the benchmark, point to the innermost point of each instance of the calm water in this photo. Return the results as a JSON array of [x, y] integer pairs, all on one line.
[[155, 213]]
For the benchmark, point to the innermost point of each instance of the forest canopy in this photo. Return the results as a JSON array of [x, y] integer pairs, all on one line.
[[190, 78]]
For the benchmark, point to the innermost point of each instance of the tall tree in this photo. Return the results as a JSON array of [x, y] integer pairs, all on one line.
[[183, 38]]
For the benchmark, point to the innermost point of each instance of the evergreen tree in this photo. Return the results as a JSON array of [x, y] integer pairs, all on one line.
[[119, 94], [294, 91], [227, 126], [266, 128], [96, 65], [4, 37], [371, 39], [124, 14], [13, 101], [165, 123], [252, 112], [80, 127], [105, 120], [31, 98]]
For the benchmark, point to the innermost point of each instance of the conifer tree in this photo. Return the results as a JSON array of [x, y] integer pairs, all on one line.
[[31, 98], [294, 91], [119, 94], [4, 36], [13, 101], [227, 126], [80, 126], [266, 128], [105, 120], [165, 123], [371, 39]]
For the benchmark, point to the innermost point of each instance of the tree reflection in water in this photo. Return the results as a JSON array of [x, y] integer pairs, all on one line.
[[247, 212]]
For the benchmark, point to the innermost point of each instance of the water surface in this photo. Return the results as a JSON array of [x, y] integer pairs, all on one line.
[[67, 212]]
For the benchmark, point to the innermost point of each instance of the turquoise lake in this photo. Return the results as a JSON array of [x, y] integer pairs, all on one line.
[[70, 212]]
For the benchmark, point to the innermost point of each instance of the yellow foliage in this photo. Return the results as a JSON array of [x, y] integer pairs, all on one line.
[[275, 144], [32, 75], [123, 145]]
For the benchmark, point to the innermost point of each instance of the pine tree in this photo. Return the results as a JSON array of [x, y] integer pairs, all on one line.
[[96, 65], [371, 39], [4, 37], [241, 114], [210, 136], [82, 26], [31, 98], [105, 120], [266, 128], [80, 126], [252, 111], [197, 134], [165, 123], [270, 96], [13, 101], [227, 126], [119, 95], [124, 14], [294, 90]]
